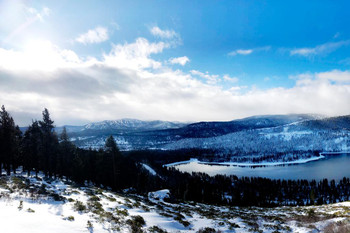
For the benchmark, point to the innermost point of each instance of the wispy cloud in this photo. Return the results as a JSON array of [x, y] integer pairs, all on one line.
[[164, 34], [29, 15], [211, 78], [135, 55], [345, 61], [115, 26], [319, 49], [240, 52], [39, 14], [335, 76], [248, 51], [179, 60], [227, 77], [336, 35], [93, 36]]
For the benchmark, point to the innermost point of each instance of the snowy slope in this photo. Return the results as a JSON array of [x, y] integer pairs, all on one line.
[[28, 204], [296, 136], [132, 133], [133, 124], [303, 136]]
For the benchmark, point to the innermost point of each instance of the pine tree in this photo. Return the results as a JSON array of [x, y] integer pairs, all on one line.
[[18, 153], [113, 151], [9, 140], [31, 147], [65, 155], [2, 144], [49, 145], [64, 135]]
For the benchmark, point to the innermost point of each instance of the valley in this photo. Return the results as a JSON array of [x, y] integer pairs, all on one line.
[[258, 139]]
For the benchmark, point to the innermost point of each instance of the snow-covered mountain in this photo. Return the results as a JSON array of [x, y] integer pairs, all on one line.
[[298, 138], [132, 124], [120, 126], [271, 133]]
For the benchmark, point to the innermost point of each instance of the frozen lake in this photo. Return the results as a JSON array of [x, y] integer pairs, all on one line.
[[333, 166]]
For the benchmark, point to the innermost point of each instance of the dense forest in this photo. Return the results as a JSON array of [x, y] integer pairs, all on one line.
[[39, 148]]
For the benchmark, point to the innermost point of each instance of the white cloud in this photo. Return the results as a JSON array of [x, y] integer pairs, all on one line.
[[39, 14], [211, 78], [164, 34], [179, 60], [93, 36], [320, 49], [135, 55], [240, 52], [128, 82], [248, 51], [335, 76], [226, 77], [38, 55]]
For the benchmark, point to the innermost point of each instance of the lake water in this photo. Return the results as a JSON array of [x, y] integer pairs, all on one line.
[[334, 166]]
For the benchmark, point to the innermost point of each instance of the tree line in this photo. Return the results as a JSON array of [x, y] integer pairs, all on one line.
[[255, 191], [40, 149]]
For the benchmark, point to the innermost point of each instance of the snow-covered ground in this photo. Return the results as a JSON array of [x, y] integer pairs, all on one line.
[[149, 169], [38, 205], [303, 135]]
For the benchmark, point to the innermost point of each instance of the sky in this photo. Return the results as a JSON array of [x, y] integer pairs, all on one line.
[[179, 60]]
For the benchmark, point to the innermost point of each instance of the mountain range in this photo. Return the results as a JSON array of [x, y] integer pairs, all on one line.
[[257, 135]]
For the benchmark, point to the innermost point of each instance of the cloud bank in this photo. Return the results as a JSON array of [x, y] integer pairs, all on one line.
[[128, 82]]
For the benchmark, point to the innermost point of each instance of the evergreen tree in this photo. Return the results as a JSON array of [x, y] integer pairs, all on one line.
[[2, 143], [65, 155], [31, 148], [49, 145], [9, 140], [18, 153], [113, 152]]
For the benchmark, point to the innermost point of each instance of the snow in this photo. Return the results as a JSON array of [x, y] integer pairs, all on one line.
[[287, 136], [181, 162], [299, 161], [133, 124], [154, 219], [159, 195], [47, 217], [148, 168], [52, 216], [269, 141]]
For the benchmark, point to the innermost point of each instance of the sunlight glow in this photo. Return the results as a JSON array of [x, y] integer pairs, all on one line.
[[39, 55]]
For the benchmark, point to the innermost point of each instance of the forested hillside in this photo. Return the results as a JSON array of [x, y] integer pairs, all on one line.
[[262, 138], [41, 149]]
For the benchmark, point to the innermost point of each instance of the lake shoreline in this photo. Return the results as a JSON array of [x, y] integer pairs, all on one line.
[[321, 156]]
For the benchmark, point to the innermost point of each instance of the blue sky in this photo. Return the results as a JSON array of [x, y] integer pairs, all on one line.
[[217, 60]]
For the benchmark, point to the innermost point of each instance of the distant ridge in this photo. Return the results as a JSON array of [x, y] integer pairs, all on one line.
[[122, 126]]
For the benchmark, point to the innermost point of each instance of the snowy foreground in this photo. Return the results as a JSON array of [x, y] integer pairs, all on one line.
[[44, 205]]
